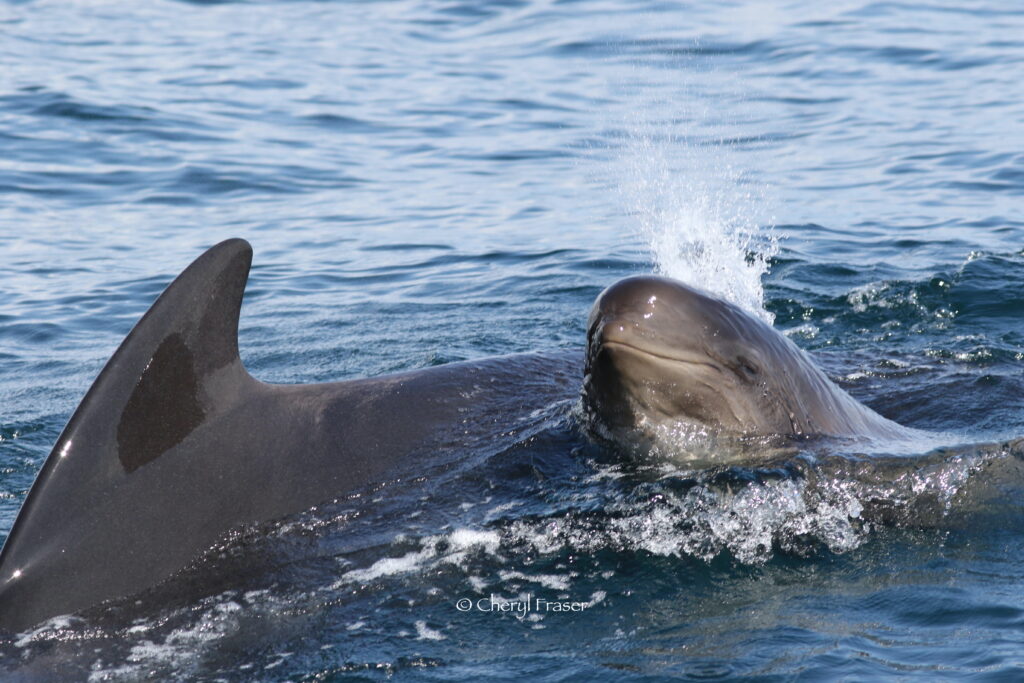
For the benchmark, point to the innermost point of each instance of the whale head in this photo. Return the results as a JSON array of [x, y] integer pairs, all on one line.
[[662, 353]]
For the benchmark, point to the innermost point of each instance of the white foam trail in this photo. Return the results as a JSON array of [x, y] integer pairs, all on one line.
[[424, 632], [451, 548]]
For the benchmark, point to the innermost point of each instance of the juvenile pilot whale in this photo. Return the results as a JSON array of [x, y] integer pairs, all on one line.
[[662, 353], [175, 444]]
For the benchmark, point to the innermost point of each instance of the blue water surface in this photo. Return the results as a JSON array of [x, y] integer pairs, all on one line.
[[428, 181]]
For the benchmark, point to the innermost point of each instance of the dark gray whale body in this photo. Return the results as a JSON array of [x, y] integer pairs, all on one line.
[[176, 444]]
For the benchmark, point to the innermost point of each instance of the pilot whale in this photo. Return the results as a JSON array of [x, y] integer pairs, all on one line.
[[661, 353], [176, 444]]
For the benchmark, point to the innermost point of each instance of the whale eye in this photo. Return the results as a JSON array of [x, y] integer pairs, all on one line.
[[747, 367]]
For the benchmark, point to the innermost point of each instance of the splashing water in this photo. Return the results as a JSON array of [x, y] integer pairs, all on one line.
[[697, 214]]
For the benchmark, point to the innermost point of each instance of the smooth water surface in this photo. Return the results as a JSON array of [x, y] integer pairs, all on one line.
[[427, 181]]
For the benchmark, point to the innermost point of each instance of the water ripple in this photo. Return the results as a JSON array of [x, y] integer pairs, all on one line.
[[430, 181]]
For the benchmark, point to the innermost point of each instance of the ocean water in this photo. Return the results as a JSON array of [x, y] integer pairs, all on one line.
[[428, 181]]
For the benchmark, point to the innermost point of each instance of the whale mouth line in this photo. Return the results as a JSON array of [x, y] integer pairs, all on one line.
[[647, 352]]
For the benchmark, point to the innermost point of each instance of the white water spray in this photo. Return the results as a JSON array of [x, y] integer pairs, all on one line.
[[699, 217]]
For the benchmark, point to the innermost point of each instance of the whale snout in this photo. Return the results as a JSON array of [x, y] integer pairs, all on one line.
[[646, 350], [633, 294], [644, 294], [653, 314]]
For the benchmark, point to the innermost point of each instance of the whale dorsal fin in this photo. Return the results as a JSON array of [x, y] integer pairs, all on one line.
[[184, 344], [175, 370], [163, 380]]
